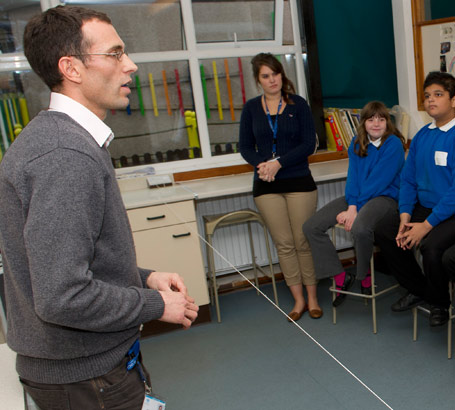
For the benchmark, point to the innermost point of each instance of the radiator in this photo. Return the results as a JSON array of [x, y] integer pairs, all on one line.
[[232, 241]]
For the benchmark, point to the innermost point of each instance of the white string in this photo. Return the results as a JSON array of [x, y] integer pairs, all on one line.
[[273, 303]]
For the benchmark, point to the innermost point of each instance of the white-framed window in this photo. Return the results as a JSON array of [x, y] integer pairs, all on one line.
[[194, 75]]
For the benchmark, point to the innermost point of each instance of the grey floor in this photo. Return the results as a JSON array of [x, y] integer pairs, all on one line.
[[255, 359]]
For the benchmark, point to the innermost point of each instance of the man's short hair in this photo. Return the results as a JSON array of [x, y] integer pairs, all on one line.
[[445, 80], [56, 33]]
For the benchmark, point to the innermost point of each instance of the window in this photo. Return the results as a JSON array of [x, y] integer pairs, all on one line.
[[194, 75]]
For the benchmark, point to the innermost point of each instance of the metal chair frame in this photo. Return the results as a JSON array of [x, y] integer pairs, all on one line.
[[449, 323], [374, 293], [211, 223]]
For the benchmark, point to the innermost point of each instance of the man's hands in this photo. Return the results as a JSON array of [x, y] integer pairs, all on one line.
[[179, 307], [411, 233]]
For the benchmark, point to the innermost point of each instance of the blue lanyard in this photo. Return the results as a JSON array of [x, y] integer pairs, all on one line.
[[273, 127], [133, 355]]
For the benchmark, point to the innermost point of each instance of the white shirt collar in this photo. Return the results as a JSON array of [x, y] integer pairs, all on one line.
[[376, 143], [444, 128], [100, 132]]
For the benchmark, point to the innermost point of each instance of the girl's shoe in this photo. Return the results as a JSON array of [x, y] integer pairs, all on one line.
[[365, 285], [348, 282]]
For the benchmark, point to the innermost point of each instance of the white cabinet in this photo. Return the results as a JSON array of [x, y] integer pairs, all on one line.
[[166, 239]]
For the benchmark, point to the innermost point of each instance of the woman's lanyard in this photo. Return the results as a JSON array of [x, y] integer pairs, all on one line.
[[273, 127]]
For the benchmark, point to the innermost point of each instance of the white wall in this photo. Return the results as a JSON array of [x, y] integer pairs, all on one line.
[[404, 54]]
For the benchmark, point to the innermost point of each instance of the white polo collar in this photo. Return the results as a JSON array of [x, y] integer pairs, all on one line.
[[376, 143], [444, 128], [100, 132]]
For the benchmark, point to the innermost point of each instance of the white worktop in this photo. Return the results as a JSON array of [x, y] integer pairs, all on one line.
[[220, 186]]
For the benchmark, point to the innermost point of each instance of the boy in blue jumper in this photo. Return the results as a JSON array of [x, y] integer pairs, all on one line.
[[426, 206]]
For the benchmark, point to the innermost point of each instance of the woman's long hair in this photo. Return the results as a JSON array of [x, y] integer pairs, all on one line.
[[272, 62], [372, 109]]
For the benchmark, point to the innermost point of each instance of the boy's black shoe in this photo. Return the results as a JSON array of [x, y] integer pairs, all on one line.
[[407, 302], [438, 316]]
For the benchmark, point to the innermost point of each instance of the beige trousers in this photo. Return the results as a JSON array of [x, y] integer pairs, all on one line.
[[284, 215]]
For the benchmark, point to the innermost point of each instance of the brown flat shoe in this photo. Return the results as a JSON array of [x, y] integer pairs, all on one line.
[[297, 315], [316, 313]]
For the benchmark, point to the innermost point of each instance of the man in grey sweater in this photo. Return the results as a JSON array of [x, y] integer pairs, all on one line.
[[75, 296]]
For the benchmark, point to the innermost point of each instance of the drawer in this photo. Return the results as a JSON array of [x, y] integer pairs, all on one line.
[[175, 249], [161, 215]]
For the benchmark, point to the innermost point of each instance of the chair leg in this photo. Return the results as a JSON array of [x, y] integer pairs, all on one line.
[[269, 255], [211, 263], [253, 257], [334, 310], [414, 324], [449, 324], [373, 294], [334, 295]]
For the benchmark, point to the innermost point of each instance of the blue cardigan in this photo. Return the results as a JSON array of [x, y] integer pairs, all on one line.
[[426, 180], [377, 174], [296, 137]]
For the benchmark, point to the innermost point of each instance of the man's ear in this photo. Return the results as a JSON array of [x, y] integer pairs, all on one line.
[[70, 68]]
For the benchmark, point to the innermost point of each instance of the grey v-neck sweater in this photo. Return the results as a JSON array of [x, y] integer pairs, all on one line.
[[75, 296]]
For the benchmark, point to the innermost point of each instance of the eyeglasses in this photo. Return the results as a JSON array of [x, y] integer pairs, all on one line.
[[118, 54]]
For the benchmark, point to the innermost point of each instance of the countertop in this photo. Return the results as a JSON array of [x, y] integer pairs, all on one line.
[[220, 186]]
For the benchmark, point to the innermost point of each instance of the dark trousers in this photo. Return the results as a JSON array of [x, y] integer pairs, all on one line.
[[433, 285], [118, 389]]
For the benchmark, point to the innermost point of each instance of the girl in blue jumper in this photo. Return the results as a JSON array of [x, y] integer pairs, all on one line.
[[276, 136], [426, 205], [376, 156]]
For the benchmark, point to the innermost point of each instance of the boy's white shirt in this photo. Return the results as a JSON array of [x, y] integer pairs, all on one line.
[[445, 127]]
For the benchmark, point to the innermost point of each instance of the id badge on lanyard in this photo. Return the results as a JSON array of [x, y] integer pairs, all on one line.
[[151, 400]]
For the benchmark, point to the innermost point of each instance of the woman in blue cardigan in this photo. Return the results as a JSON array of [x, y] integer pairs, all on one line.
[[276, 136], [376, 157]]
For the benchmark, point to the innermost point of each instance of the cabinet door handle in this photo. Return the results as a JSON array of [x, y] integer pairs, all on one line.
[[152, 218], [181, 235]]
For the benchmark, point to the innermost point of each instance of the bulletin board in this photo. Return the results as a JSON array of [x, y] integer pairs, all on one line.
[[438, 48], [435, 50]]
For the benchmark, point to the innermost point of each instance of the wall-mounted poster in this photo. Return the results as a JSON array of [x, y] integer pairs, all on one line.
[[438, 48]]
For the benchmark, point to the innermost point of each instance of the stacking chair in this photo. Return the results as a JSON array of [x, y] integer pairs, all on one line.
[[449, 324], [374, 292], [211, 223]]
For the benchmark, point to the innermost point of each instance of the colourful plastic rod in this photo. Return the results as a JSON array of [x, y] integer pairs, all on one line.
[[24, 110], [229, 88], [166, 93], [128, 109], [191, 127], [179, 91], [3, 128], [242, 83], [217, 89], [152, 91], [17, 115], [8, 120], [139, 95], [204, 90]]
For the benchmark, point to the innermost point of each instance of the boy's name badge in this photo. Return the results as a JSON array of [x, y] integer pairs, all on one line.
[[440, 158], [153, 403]]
